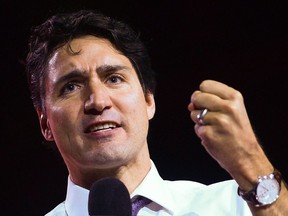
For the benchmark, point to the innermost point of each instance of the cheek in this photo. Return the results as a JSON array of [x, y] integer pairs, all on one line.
[[133, 104], [62, 120], [134, 111]]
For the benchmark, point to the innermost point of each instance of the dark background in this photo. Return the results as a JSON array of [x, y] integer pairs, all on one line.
[[241, 43]]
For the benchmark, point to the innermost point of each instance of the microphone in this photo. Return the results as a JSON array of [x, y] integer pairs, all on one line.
[[109, 196]]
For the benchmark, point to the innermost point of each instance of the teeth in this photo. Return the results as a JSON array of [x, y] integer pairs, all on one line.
[[104, 126]]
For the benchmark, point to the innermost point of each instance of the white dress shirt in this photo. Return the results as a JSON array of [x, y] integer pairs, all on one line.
[[177, 198]]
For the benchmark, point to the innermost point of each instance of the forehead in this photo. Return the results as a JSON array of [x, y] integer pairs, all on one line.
[[87, 51]]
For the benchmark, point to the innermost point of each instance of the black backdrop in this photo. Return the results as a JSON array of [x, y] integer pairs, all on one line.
[[243, 44]]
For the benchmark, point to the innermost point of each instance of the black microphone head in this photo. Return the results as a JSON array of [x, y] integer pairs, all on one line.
[[109, 196]]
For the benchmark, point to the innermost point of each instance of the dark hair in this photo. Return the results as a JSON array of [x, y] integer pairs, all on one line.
[[62, 28]]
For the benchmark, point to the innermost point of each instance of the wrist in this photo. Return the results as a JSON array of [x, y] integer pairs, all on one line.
[[265, 191]]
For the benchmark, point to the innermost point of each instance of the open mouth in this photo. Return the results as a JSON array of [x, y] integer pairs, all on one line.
[[101, 127]]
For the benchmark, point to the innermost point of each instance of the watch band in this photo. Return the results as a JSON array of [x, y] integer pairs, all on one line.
[[251, 196]]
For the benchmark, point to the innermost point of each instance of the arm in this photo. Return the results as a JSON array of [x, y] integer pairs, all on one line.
[[228, 137]]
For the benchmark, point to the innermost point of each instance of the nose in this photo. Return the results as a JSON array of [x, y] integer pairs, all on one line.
[[98, 99]]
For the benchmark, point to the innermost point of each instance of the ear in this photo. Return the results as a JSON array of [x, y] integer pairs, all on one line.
[[45, 126], [151, 107]]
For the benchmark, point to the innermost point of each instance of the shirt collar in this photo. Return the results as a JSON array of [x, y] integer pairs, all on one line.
[[151, 187], [76, 202]]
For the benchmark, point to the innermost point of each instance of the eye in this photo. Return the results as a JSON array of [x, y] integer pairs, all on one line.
[[114, 79], [69, 87]]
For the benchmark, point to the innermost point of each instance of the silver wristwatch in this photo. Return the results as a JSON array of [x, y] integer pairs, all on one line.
[[265, 192]]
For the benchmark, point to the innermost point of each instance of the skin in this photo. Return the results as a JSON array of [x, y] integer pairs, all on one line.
[[228, 137], [94, 87]]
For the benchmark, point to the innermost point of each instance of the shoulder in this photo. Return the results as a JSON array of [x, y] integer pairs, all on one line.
[[192, 185], [59, 210], [213, 199], [198, 192]]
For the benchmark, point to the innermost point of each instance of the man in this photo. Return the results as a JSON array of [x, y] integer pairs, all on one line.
[[93, 89]]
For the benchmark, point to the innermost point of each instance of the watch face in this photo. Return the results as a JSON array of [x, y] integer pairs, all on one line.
[[267, 191]]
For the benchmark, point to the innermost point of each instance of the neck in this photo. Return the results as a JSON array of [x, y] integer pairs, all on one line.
[[131, 174]]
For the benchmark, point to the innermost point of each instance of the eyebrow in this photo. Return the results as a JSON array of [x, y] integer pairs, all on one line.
[[70, 75], [110, 68]]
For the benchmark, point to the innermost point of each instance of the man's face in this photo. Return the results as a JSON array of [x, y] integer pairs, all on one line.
[[96, 110]]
